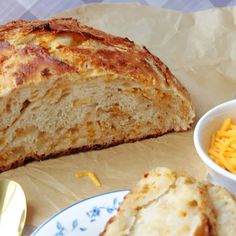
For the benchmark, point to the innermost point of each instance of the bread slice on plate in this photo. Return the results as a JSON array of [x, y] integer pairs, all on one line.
[[225, 207], [66, 87], [164, 204]]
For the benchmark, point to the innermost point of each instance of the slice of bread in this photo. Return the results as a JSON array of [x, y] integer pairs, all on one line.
[[66, 87], [225, 207], [152, 186], [164, 204]]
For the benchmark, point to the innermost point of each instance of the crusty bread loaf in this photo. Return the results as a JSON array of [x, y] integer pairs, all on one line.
[[164, 204], [225, 206], [65, 87]]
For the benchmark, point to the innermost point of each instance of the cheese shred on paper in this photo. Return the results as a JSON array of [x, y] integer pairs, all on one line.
[[223, 146], [91, 176]]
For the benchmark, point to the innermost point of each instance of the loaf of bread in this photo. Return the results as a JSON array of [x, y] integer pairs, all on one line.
[[66, 87], [164, 203]]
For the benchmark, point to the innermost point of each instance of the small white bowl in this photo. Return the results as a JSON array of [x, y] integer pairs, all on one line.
[[206, 126]]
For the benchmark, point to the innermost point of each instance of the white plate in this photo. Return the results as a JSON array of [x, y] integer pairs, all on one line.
[[84, 218]]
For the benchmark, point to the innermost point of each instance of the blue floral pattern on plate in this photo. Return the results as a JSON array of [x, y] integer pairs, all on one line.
[[61, 230], [96, 211], [85, 218]]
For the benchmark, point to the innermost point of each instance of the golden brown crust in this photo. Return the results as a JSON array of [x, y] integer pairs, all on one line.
[[209, 212], [119, 55], [27, 64], [170, 78], [108, 223], [204, 231]]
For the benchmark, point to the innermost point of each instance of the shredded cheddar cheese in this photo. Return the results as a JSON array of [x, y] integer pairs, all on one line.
[[223, 146], [91, 175]]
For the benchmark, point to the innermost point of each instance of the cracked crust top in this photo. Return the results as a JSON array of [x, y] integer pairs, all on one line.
[[34, 51]]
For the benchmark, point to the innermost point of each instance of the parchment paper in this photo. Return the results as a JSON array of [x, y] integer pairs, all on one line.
[[199, 48]]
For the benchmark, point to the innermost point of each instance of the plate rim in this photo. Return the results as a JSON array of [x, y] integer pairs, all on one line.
[[72, 205]]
